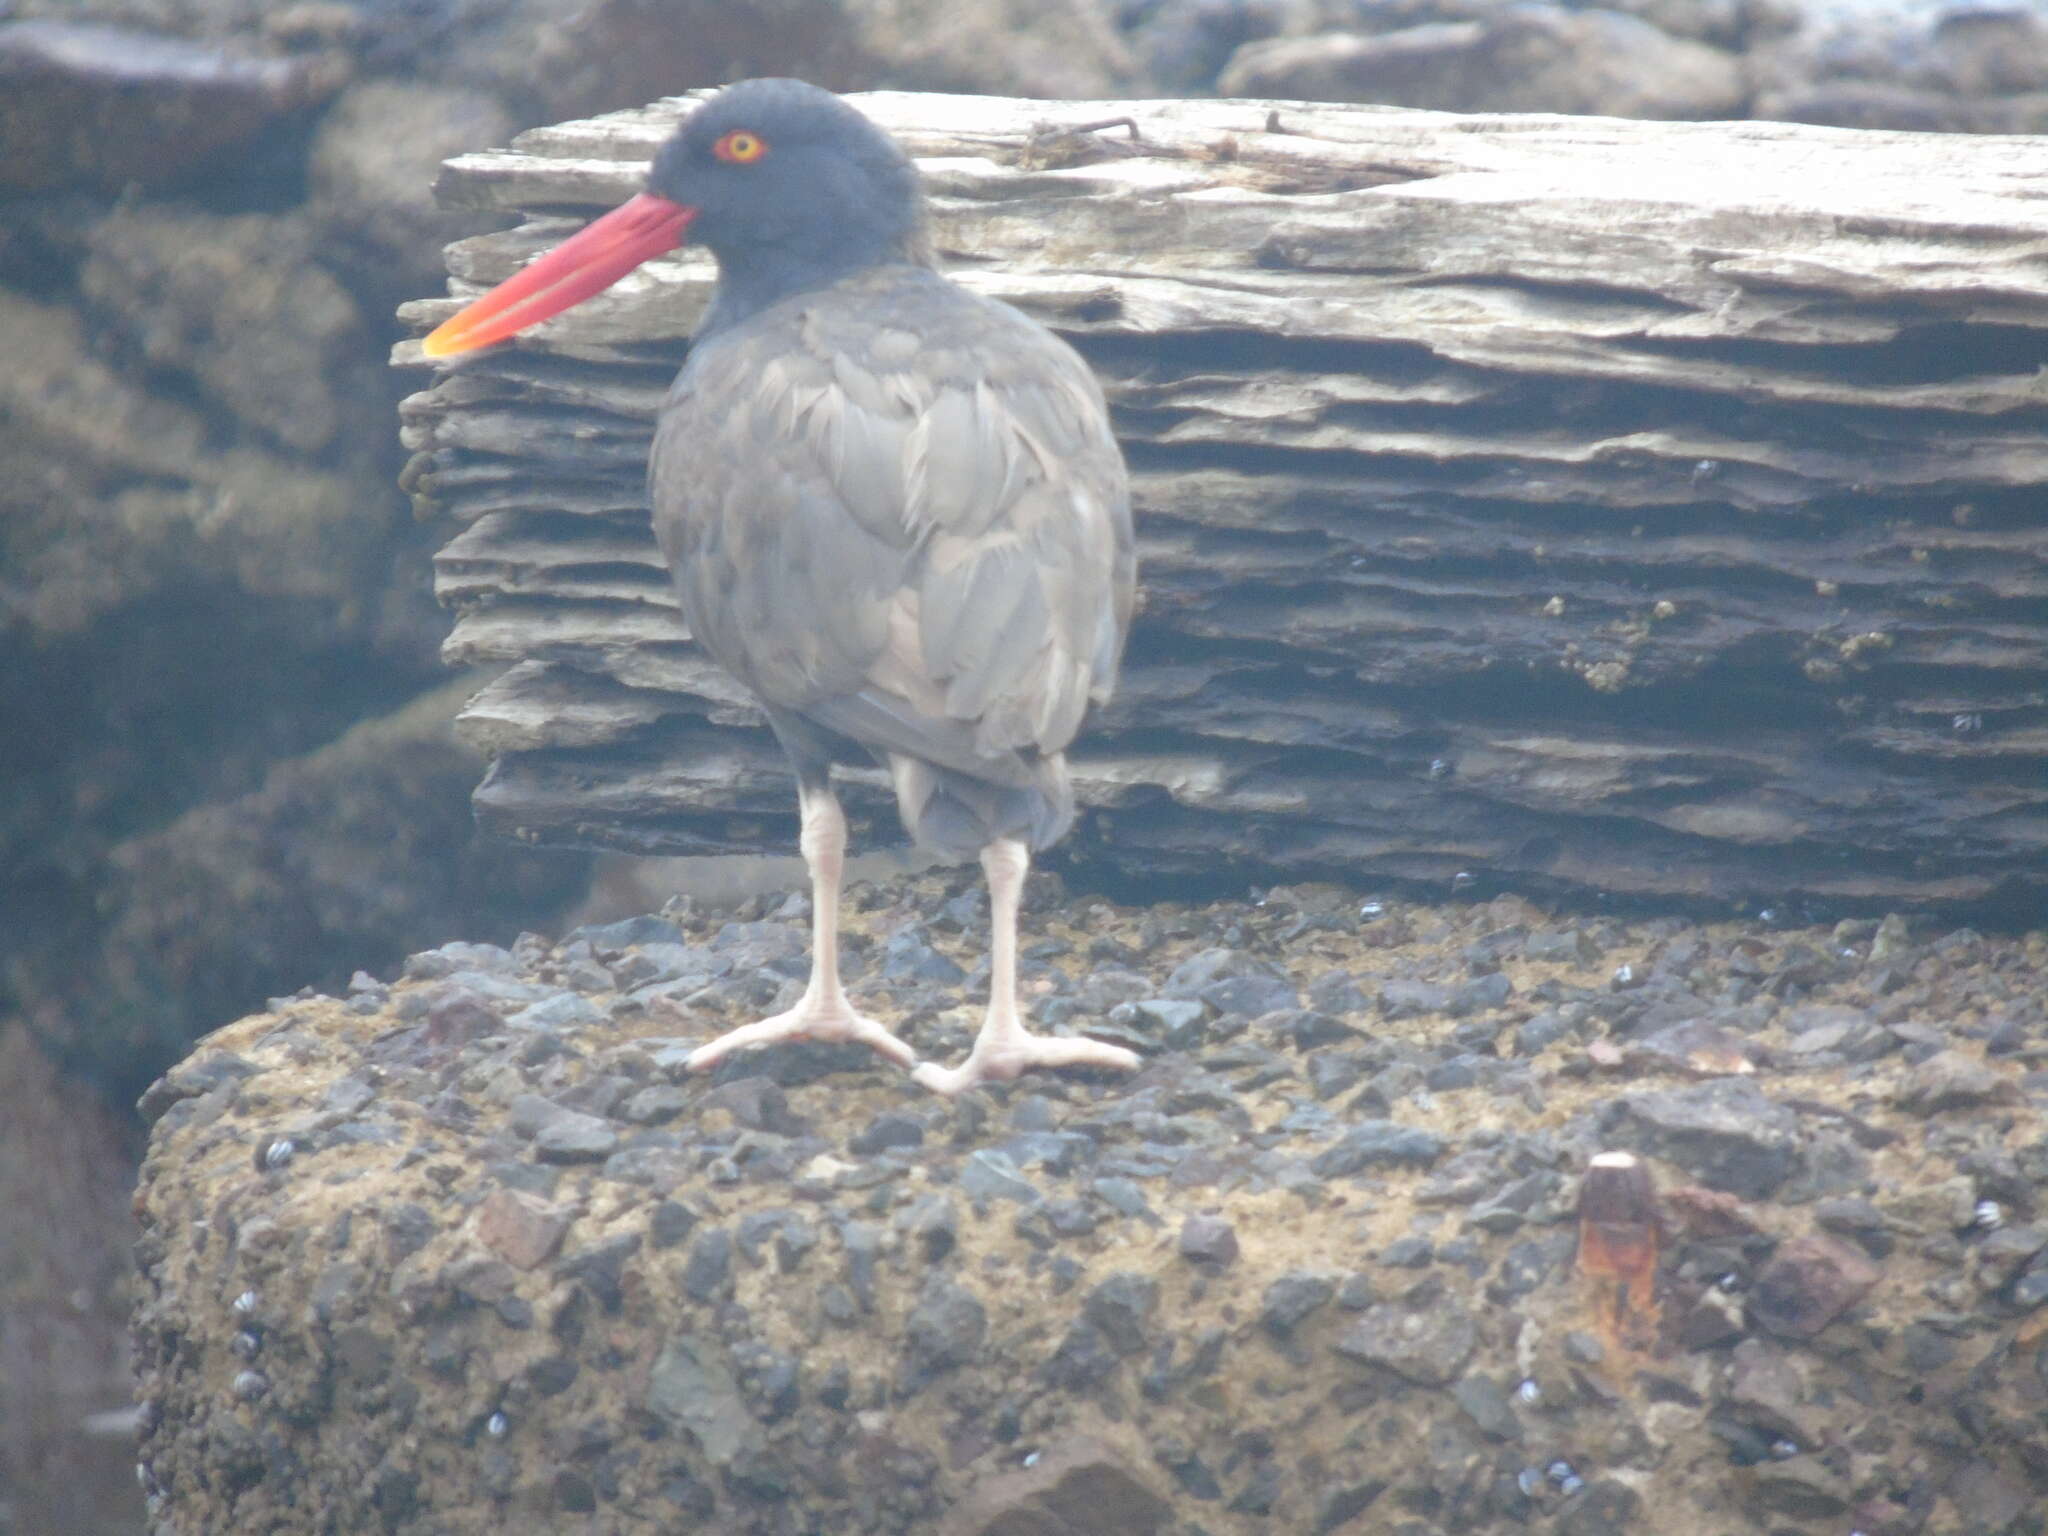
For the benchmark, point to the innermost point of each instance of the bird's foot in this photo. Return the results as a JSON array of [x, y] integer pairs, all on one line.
[[808, 1020], [999, 1061]]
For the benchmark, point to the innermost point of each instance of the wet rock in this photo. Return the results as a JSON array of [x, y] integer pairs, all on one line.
[[1809, 1283], [1725, 1133], [1428, 1347]]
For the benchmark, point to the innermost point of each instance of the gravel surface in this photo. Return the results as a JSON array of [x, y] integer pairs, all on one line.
[[470, 1245]]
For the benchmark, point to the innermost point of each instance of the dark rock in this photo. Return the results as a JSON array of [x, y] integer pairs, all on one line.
[[1378, 1144], [1603, 1507], [1408, 1253], [1208, 1240], [756, 1102], [1084, 1357], [1810, 1282], [991, 1175], [519, 1229], [1951, 1080], [1250, 997], [1540, 1032], [1305, 1029], [1487, 1406], [1291, 1298], [1987, 1499], [1428, 1347], [907, 957], [191, 1079], [709, 1265], [1801, 1488], [600, 1268], [933, 1222], [1857, 1219], [1479, 995], [1724, 1132], [669, 1223], [572, 1137], [1124, 1197], [1077, 1484], [888, 1130], [1401, 999], [945, 1329], [1121, 1306], [1337, 993], [1180, 1023], [610, 938], [692, 1387]]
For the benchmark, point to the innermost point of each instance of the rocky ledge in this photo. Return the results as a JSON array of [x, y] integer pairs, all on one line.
[[470, 1251]]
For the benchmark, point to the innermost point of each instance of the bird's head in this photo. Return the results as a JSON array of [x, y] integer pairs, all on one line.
[[783, 182]]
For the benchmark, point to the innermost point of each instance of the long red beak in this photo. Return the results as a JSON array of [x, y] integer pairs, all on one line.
[[587, 262]]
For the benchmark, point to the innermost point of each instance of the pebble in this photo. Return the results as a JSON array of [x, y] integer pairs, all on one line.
[[1208, 1240]]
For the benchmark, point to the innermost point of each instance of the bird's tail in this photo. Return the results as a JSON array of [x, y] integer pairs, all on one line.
[[956, 815]]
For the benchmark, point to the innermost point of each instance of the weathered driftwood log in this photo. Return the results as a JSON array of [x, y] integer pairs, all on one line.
[[1628, 507]]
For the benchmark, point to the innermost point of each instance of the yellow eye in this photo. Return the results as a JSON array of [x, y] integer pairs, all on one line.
[[740, 147]]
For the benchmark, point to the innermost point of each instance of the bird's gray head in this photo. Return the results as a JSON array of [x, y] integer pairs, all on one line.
[[791, 186]]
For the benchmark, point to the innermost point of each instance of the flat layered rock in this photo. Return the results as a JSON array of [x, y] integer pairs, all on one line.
[[1571, 504]]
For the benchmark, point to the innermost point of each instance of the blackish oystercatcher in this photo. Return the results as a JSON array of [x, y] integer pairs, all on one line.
[[894, 510]]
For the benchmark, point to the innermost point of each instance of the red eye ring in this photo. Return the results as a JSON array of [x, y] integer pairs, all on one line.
[[740, 147]]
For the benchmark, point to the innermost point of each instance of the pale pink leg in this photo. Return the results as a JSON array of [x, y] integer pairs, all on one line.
[[1004, 1048], [822, 1013]]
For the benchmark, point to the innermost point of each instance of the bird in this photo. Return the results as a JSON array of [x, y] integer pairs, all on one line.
[[893, 509]]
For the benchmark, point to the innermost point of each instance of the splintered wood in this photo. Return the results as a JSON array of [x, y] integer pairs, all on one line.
[[1636, 508]]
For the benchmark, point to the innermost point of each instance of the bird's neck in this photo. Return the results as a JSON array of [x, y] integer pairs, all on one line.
[[750, 280]]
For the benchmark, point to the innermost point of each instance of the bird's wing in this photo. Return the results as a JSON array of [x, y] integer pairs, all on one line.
[[897, 510]]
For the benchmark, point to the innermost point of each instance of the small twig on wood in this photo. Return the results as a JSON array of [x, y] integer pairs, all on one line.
[[1050, 130]]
